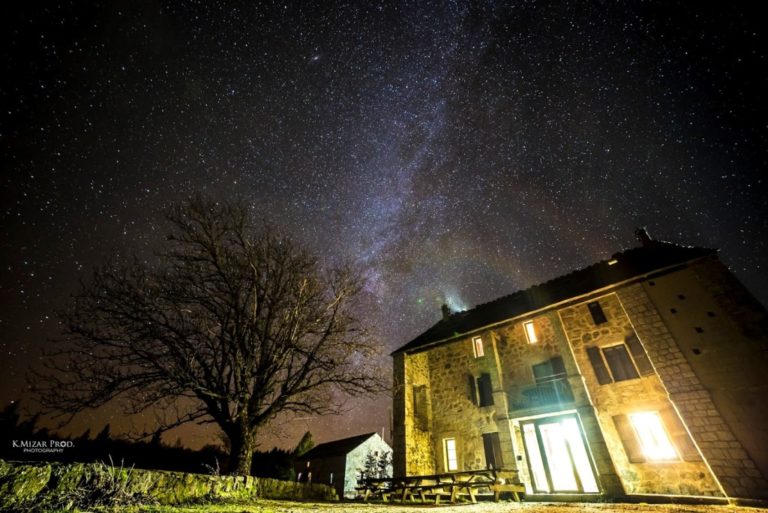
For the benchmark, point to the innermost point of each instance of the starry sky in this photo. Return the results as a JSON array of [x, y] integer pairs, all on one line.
[[457, 151]]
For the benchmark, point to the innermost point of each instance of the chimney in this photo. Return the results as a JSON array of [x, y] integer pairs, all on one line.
[[643, 237], [446, 311]]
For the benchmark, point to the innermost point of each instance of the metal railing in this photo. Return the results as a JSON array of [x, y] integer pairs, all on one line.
[[545, 393]]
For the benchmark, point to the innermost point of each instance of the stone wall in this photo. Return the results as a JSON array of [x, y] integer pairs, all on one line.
[[22, 484], [646, 393], [412, 441], [455, 413], [684, 374], [517, 359], [722, 331]]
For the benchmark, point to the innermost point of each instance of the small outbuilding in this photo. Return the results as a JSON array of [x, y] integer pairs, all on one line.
[[342, 462]]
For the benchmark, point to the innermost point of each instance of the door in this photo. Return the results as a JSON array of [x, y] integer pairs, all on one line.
[[557, 455]]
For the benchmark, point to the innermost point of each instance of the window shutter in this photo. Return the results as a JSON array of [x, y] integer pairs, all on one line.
[[596, 359], [639, 355], [485, 389], [679, 435], [492, 448], [628, 439], [472, 389]]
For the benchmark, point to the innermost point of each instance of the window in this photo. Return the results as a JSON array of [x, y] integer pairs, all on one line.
[[620, 362], [655, 436], [530, 332], [477, 345], [654, 441], [598, 316], [480, 390], [485, 391], [449, 448], [492, 448]]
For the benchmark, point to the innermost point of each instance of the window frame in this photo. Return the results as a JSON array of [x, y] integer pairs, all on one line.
[[529, 327], [477, 347], [446, 454], [634, 351], [624, 352], [658, 431], [597, 313]]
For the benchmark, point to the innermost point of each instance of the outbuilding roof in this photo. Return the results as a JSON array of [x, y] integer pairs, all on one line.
[[335, 448], [652, 256]]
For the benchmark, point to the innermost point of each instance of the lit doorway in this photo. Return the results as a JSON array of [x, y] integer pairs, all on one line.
[[557, 455]]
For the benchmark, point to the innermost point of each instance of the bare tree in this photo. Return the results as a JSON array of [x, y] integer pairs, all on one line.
[[241, 324]]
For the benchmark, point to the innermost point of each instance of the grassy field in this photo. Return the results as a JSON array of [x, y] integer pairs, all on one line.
[[268, 506]]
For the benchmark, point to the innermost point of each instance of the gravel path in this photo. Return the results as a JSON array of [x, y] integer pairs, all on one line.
[[490, 507]]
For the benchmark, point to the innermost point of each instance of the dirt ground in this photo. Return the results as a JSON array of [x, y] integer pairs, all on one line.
[[266, 506]]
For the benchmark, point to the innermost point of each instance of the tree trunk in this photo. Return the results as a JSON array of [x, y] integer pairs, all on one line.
[[241, 453]]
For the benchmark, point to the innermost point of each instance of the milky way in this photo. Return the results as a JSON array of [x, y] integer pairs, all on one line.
[[457, 152]]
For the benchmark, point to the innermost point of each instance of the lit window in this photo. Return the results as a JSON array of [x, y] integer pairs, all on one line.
[[451, 463], [477, 344], [530, 332], [654, 441]]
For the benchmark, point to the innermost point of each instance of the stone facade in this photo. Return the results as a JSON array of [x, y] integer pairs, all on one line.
[[608, 371], [646, 393]]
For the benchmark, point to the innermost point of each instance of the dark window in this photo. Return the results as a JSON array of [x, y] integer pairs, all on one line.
[[681, 296], [620, 363], [420, 407], [673, 310], [615, 363], [699, 329], [485, 391], [598, 316], [711, 314], [492, 448]]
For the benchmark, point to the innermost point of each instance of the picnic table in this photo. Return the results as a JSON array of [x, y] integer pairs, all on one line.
[[450, 485]]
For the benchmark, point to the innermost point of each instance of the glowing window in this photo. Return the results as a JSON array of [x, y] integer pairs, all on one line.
[[451, 462], [477, 344], [530, 332], [654, 441]]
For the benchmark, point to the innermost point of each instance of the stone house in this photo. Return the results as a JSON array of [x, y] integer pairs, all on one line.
[[340, 463], [645, 374]]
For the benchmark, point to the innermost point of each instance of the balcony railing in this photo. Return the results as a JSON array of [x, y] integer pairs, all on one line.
[[548, 392]]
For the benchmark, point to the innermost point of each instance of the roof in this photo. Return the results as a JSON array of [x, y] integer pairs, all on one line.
[[651, 256], [336, 448]]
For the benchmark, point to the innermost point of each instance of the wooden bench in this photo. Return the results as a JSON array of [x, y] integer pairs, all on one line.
[[451, 485]]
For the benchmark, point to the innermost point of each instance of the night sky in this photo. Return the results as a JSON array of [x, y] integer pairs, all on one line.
[[456, 151]]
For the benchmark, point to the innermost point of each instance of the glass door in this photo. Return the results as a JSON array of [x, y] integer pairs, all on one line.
[[557, 455]]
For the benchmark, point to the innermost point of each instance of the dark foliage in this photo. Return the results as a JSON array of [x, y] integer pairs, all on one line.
[[231, 325]]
